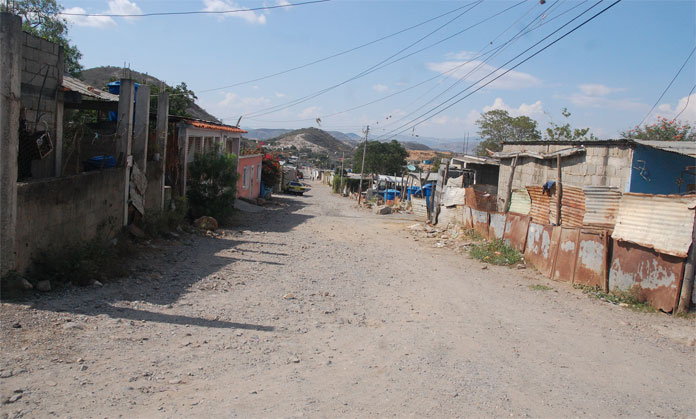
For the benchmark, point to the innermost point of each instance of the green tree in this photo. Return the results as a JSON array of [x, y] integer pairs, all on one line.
[[212, 185], [180, 99], [497, 126], [663, 130], [381, 158], [566, 132], [41, 18]]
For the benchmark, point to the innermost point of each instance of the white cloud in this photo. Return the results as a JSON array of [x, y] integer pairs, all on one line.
[[116, 7], [225, 5], [534, 110], [380, 88], [598, 89], [283, 3], [473, 70], [686, 105], [461, 55], [279, 95], [246, 104], [311, 112], [88, 21]]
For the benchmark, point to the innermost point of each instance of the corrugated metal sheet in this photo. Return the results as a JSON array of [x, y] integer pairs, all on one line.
[[572, 207], [496, 228], [591, 264], [540, 205], [215, 126], [520, 202], [542, 240], [566, 255], [657, 278], [660, 222], [481, 200], [75, 85], [516, 227], [480, 220], [601, 206], [681, 147], [454, 196], [418, 207]]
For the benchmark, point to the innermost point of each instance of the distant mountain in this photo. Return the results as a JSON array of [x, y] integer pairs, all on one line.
[[100, 76], [265, 133], [348, 138], [317, 140], [411, 145]]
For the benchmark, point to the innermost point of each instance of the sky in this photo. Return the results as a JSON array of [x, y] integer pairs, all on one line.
[[608, 73]]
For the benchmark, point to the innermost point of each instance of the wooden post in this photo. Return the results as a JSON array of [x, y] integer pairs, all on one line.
[[508, 192], [559, 190], [688, 282]]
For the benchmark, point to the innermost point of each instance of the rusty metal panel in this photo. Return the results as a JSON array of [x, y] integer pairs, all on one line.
[[566, 255], [601, 206], [591, 264], [539, 250], [516, 227], [540, 205], [480, 199], [468, 221], [496, 228], [660, 222], [657, 278], [520, 202], [480, 220]]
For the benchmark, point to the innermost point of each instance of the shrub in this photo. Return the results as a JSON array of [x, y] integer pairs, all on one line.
[[212, 185]]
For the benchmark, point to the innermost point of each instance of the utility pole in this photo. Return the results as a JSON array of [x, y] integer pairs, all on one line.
[[343, 157], [362, 167]]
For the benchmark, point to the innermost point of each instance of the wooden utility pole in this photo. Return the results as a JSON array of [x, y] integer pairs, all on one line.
[[688, 281], [343, 157], [362, 166]]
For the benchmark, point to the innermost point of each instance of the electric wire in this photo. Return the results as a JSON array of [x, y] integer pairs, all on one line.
[[193, 12], [303, 99], [667, 88], [506, 71], [338, 54]]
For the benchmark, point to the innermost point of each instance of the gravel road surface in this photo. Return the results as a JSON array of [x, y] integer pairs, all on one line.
[[313, 308]]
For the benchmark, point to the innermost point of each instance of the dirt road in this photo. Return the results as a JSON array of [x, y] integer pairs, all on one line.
[[315, 309]]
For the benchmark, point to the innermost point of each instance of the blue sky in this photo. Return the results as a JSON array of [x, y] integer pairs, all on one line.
[[608, 73]]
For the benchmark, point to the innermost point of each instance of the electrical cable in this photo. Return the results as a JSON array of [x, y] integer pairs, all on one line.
[[506, 71], [194, 12], [303, 99], [338, 54], [667, 88]]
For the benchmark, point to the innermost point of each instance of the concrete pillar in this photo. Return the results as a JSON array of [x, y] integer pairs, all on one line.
[[162, 134], [10, 91], [125, 137], [125, 121], [142, 127], [58, 141], [183, 157]]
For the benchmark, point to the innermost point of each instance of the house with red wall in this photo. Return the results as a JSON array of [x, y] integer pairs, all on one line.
[[249, 176]]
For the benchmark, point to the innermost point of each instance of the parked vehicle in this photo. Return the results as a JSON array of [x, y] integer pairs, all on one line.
[[296, 188]]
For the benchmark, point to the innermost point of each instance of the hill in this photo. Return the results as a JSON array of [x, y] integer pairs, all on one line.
[[101, 76], [411, 145], [264, 133], [314, 139]]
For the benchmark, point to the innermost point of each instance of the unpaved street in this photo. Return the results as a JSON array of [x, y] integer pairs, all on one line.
[[316, 309]]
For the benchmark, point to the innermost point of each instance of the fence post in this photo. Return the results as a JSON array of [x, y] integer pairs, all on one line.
[[125, 137], [10, 92], [162, 126], [142, 127]]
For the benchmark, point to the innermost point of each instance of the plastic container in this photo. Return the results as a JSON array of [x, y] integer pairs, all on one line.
[[99, 162]]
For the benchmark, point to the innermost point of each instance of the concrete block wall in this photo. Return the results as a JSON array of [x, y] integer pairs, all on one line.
[[42, 75], [57, 211], [600, 165]]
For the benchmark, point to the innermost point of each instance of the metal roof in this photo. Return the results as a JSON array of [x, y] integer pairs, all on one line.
[[72, 84], [213, 126], [660, 222], [539, 155], [681, 147], [476, 160]]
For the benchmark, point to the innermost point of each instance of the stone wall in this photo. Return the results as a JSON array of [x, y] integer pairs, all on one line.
[[54, 212], [600, 165], [42, 75]]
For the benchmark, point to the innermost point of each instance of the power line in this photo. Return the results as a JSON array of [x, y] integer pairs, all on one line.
[[688, 97], [667, 88], [338, 54], [506, 71], [286, 105], [194, 12], [505, 44]]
